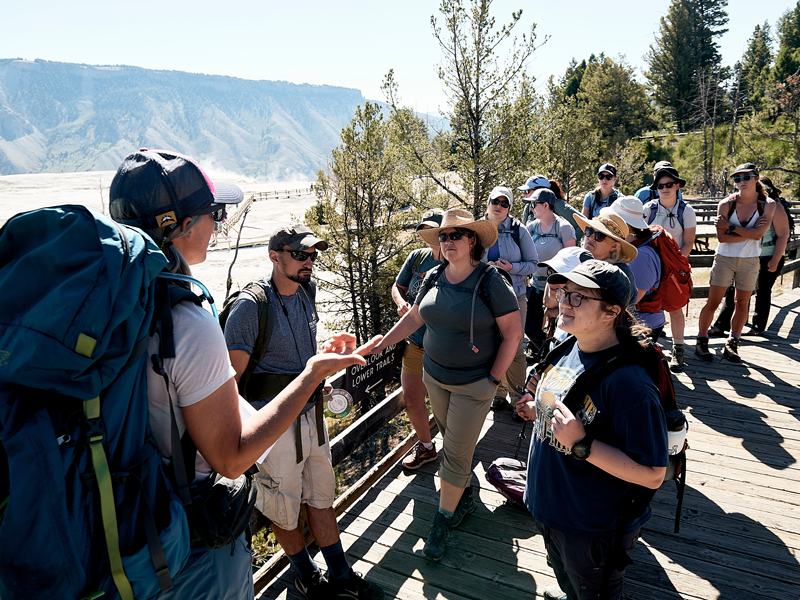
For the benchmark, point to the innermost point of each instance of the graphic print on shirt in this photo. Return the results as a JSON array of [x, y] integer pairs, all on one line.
[[416, 283], [556, 381]]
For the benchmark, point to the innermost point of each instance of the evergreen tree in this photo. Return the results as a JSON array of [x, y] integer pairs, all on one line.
[[754, 70], [788, 59], [571, 81]]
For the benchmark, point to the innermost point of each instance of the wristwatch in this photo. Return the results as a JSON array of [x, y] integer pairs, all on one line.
[[583, 448], [731, 229], [496, 382]]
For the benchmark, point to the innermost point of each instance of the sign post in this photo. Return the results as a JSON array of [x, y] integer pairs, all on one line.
[[380, 369]]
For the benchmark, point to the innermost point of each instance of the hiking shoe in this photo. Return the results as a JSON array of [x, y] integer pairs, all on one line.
[[499, 403], [676, 359], [731, 350], [466, 506], [419, 456], [437, 537], [554, 593], [702, 351], [313, 587], [355, 587]]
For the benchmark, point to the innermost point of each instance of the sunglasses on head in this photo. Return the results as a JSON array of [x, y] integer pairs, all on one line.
[[217, 212], [300, 255], [739, 178], [667, 185], [454, 236], [609, 177], [503, 203], [598, 236]]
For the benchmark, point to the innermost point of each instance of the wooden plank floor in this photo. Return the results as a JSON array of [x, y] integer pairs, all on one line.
[[740, 529]]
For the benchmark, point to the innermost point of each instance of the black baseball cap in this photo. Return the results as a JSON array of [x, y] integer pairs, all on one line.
[[166, 187], [297, 237], [745, 168]]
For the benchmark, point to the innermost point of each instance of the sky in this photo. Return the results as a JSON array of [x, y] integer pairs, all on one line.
[[349, 43]]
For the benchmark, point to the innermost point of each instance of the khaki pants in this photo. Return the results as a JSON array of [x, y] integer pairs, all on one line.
[[460, 411], [515, 376]]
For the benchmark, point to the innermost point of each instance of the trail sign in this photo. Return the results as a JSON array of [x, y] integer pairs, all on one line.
[[380, 369]]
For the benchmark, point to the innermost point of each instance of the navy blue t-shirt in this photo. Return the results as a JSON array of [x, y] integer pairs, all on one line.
[[624, 411]]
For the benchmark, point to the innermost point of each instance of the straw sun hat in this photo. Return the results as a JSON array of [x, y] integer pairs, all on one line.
[[456, 217], [614, 226]]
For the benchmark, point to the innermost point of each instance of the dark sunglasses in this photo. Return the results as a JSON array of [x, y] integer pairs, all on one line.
[[454, 236], [574, 299], [503, 203], [609, 177], [598, 237], [667, 185], [300, 255], [739, 178], [217, 212]]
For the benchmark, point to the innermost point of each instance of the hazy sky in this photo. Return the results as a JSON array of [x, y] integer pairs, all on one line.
[[352, 43]]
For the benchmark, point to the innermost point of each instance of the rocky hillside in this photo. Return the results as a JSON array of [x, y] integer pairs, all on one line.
[[60, 117]]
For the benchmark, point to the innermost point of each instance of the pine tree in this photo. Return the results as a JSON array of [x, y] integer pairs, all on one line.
[[788, 59], [754, 70]]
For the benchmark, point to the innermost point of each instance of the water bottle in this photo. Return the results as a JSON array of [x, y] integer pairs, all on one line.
[[676, 431]]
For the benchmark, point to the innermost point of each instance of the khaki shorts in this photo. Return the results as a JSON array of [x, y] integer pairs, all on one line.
[[412, 359], [744, 272], [283, 485]]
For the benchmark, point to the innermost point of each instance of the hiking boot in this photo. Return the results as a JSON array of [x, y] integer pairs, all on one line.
[[466, 506], [437, 537], [731, 350], [313, 587], [419, 456], [554, 593], [676, 359], [355, 587], [499, 403], [702, 351]]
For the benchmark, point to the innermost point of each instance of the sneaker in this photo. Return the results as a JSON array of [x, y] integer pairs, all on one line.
[[676, 359], [466, 506], [313, 587], [355, 588], [731, 350], [702, 351], [554, 593], [437, 537], [419, 456], [499, 403], [755, 332]]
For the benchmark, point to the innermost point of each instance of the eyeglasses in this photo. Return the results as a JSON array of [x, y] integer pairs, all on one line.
[[454, 236], [590, 232], [574, 299], [217, 212], [667, 185], [503, 203], [300, 255], [744, 178], [608, 177]]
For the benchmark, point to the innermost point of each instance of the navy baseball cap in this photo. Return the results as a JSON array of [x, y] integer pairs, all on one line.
[[166, 187], [599, 275]]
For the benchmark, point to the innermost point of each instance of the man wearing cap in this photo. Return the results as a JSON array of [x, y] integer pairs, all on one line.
[[298, 469], [561, 207], [649, 192], [742, 220], [604, 194], [404, 292]]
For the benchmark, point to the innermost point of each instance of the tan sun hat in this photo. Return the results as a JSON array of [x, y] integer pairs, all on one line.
[[457, 217], [614, 226]]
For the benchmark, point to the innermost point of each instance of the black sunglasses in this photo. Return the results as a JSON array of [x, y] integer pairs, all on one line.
[[503, 203], [590, 232], [217, 212], [744, 178], [667, 185], [454, 236], [300, 255], [608, 177]]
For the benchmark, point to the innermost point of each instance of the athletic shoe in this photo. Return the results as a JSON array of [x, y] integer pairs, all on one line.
[[554, 593], [466, 506], [355, 587], [676, 359], [314, 587], [437, 537], [731, 350], [499, 403], [419, 456], [702, 351], [755, 332]]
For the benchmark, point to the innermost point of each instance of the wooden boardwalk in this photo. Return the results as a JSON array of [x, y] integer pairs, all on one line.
[[740, 530]]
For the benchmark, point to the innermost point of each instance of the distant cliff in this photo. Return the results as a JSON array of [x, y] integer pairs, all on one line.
[[59, 117]]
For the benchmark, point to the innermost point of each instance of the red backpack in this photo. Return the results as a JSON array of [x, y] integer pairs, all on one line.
[[675, 287]]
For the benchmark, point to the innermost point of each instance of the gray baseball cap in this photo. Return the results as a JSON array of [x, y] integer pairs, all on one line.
[[598, 275], [297, 237], [432, 218]]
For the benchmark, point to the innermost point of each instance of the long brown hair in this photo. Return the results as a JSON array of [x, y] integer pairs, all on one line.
[[555, 187]]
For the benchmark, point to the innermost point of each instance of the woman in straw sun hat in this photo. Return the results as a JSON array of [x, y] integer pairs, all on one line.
[[473, 332], [604, 236]]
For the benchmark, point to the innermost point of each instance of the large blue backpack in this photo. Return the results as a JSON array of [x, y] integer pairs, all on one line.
[[87, 508]]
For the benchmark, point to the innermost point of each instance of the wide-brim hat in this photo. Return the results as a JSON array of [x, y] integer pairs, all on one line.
[[670, 171], [457, 217], [614, 226], [631, 209]]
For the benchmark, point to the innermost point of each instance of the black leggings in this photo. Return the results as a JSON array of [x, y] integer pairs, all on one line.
[[766, 280], [535, 318]]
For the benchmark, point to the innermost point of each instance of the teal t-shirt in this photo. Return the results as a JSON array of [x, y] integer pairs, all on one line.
[[411, 278], [445, 308]]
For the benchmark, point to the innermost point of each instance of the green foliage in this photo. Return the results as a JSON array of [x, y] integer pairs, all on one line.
[[788, 59], [754, 69]]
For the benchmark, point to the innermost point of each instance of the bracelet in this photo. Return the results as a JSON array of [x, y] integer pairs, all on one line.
[[491, 378]]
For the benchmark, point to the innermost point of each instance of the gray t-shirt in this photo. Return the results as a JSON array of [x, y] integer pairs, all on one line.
[[411, 278], [549, 242], [445, 308], [294, 333]]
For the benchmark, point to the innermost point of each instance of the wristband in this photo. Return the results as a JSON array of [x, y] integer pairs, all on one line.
[[731, 229], [496, 382]]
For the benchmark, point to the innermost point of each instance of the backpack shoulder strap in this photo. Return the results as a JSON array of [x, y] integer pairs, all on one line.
[[653, 206], [732, 199], [681, 210], [265, 323], [422, 254]]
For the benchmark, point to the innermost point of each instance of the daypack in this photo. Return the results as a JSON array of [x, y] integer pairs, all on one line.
[[609, 201], [653, 205], [88, 507], [675, 285], [788, 209], [515, 235], [509, 475]]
